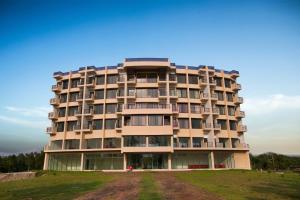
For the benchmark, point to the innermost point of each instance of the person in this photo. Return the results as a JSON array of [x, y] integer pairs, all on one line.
[[130, 168]]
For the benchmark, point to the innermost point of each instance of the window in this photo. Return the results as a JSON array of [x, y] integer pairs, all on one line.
[[193, 79], [112, 79], [151, 78], [144, 93], [100, 80], [71, 125], [232, 125], [196, 123], [56, 145], [65, 84], [138, 120], [99, 94], [134, 141], [183, 107], [61, 112], [194, 94], [131, 92], [60, 126], [182, 93], [221, 110], [229, 97], [167, 120], [93, 143], [155, 141], [63, 98], [98, 124], [73, 96], [110, 108], [184, 142], [218, 81], [223, 124], [111, 93], [183, 123], [195, 108], [220, 95], [75, 82], [196, 141], [227, 83], [72, 110], [98, 108], [110, 123], [90, 80], [231, 110], [72, 144], [181, 78], [155, 120], [112, 142]]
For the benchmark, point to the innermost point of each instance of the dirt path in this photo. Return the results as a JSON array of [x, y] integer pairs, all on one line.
[[173, 189], [126, 186]]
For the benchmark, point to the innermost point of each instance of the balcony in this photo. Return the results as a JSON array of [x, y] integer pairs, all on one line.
[[131, 95], [175, 109], [204, 96], [172, 79], [162, 94], [215, 111], [240, 114], [212, 83], [90, 97], [214, 97], [50, 130], [131, 109], [56, 88], [205, 111], [203, 82], [52, 115], [87, 128], [131, 79], [207, 126], [238, 100], [79, 98], [242, 128], [54, 101], [121, 80], [90, 83], [77, 128], [88, 112], [81, 83], [236, 86], [120, 95], [173, 94], [217, 127]]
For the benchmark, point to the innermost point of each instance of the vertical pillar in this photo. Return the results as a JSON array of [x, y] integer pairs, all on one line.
[[124, 162], [82, 162], [211, 160], [46, 160], [169, 161]]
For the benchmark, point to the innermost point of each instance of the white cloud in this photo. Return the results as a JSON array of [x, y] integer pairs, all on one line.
[[23, 122], [271, 103], [33, 112]]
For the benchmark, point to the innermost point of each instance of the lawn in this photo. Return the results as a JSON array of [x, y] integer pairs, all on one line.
[[149, 188], [248, 185], [54, 185]]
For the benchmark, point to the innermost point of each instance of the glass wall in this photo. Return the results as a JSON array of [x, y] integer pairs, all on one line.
[[103, 161], [190, 160], [147, 161], [135, 141], [155, 141], [64, 162]]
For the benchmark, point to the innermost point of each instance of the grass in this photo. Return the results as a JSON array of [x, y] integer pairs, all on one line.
[[245, 185], [53, 185], [149, 189]]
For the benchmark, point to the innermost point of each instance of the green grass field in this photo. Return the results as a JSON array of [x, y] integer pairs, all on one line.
[[231, 185]]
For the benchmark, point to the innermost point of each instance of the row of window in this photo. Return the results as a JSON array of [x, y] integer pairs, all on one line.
[[143, 120]]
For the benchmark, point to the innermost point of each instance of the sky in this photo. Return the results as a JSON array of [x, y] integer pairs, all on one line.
[[260, 39]]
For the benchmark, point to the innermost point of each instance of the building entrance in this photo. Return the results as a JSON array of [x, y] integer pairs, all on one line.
[[147, 161]]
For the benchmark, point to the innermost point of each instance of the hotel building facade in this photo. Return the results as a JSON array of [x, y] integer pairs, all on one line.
[[147, 113]]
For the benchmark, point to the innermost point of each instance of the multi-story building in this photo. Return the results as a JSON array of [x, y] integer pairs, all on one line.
[[146, 113]]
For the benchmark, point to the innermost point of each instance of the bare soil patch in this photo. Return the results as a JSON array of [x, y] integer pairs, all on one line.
[[174, 189], [125, 186]]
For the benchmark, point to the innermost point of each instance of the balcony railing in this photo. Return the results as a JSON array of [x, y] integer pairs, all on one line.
[[236, 86], [214, 97], [54, 101], [207, 126], [56, 88], [203, 82], [155, 106], [88, 111], [50, 130], [242, 128], [240, 114], [205, 111], [239, 100], [52, 115], [217, 126], [215, 111], [204, 96]]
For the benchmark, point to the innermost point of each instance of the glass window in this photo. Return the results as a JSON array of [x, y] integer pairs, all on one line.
[[100, 80], [110, 108], [229, 97], [232, 125], [134, 141], [75, 82], [61, 112], [99, 94], [182, 93], [181, 78], [98, 124], [98, 108], [196, 123], [72, 144], [196, 141], [167, 120], [155, 120], [71, 125], [73, 110], [110, 123], [73, 96], [147, 93], [223, 124], [183, 123], [111, 93], [231, 110], [184, 142], [220, 95], [131, 92], [60, 127], [94, 143], [193, 79], [183, 107], [155, 141], [221, 110], [63, 98], [227, 83], [218, 81], [65, 84], [195, 108], [112, 79], [138, 120], [194, 94], [112, 142]]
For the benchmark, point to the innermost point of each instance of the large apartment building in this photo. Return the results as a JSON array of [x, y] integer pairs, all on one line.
[[147, 113]]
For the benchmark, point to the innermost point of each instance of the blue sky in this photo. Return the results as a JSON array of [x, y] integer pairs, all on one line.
[[261, 39]]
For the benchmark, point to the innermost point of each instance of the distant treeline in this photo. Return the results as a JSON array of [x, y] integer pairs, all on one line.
[[22, 162], [273, 161], [35, 160]]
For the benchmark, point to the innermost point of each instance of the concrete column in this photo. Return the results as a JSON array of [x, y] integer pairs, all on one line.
[[46, 161], [211, 160], [82, 162], [169, 161], [124, 162]]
